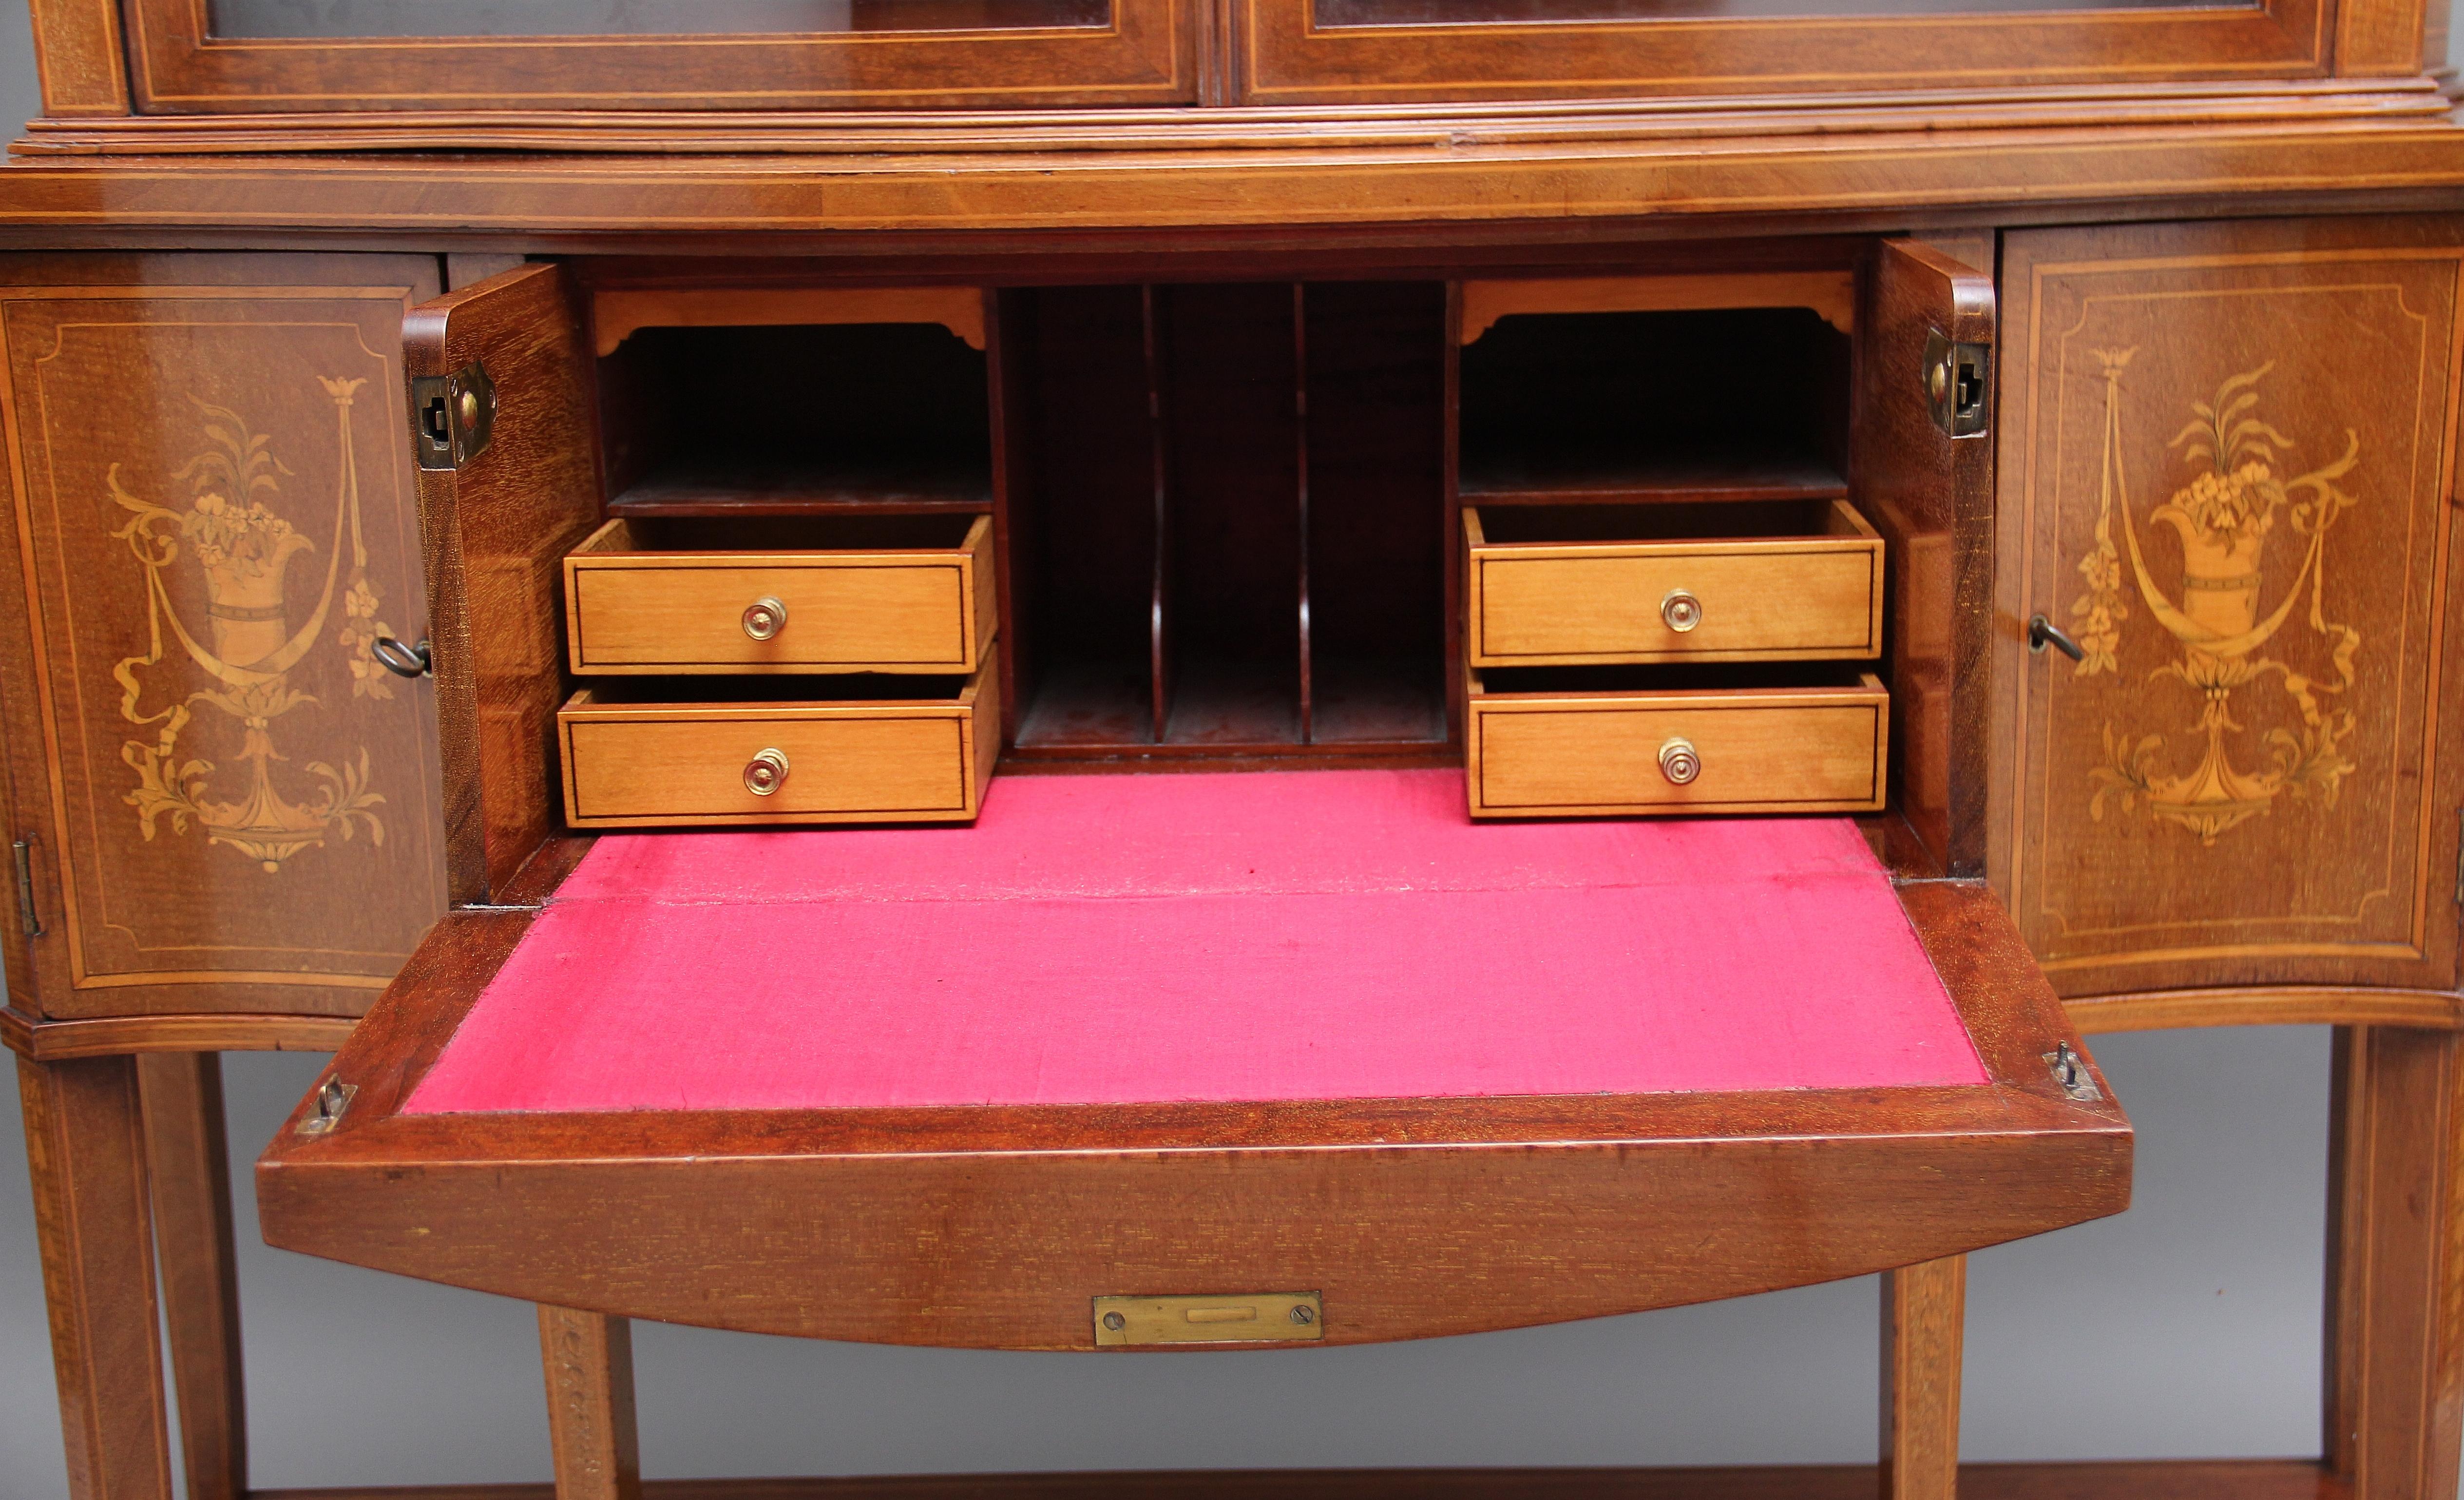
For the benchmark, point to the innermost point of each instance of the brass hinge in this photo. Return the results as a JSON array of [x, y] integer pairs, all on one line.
[[2459, 857], [30, 921], [453, 416], [1958, 384]]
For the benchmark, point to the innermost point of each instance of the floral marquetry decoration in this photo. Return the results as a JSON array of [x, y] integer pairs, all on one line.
[[2207, 773], [232, 531]]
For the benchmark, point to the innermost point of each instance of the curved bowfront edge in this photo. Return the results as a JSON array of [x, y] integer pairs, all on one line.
[[995, 1226]]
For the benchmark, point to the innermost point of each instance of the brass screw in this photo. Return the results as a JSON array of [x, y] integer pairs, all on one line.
[[1304, 1315], [1113, 1322], [470, 409], [1938, 380]]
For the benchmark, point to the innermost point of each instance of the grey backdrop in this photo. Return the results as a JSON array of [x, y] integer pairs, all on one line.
[[2187, 1327]]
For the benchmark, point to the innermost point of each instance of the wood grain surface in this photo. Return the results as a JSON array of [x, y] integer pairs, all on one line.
[[2254, 775], [2267, 1005], [1831, 293], [1924, 1315], [2394, 1334], [187, 1162], [1932, 496], [1817, 596], [209, 518], [113, 1036], [78, 57], [588, 1362], [1575, 752], [643, 763], [635, 606], [1761, 170], [85, 1151], [495, 533], [618, 312]]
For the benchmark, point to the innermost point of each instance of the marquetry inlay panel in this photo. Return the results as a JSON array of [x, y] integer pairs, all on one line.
[[216, 521], [2223, 468]]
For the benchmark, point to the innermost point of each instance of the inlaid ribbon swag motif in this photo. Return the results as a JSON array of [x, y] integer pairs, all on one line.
[[2224, 517], [231, 534]]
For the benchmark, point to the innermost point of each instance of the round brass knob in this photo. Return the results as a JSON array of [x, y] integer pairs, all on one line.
[[1681, 612], [765, 618], [765, 773], [1678, 760]]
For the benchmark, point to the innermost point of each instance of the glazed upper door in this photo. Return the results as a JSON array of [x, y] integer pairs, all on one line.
[[1299, 52], [226, 803], [2226, 465], [191, 56]]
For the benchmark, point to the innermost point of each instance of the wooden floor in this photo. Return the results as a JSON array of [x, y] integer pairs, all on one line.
[[2273, 1479]]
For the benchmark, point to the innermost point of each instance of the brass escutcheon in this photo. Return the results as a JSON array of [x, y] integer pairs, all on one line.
[[1681, 612], [1678, 760], [765, 773], [764, 617]]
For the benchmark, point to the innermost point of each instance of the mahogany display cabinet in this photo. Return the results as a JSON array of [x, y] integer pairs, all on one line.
[[1090, 674]]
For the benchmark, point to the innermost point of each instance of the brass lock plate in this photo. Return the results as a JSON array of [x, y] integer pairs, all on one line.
[[1256, 1317]]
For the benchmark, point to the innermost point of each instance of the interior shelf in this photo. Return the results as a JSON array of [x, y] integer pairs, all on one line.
[[1739, 403], [797, 420], [1573, 476], [791, 486]]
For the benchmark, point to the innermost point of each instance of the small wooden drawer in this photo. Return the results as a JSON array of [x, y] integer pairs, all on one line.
[[1542, 746], [804, 594], [1595, 585], [635, 760]]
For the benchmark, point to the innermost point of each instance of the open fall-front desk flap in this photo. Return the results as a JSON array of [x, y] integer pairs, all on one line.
[[1205, 1034]]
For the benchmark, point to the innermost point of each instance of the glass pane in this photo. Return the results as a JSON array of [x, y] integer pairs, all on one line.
[[1497, 12], [245, 19]]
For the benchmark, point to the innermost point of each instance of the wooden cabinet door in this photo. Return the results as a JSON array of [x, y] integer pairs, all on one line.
[[498, 526], [210, 516], [2225, 471]]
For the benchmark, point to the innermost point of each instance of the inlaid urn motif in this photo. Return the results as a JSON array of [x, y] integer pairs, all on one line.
[[2232, 508], [241, 546]]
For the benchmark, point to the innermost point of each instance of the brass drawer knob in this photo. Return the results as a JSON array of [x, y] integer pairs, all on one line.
[[1678, 760], [765, 773], [765, 618], [1681, 612]]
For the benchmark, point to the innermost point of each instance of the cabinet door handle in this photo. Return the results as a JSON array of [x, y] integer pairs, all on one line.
[[403, 661], [2043, 632], [1681, 612]]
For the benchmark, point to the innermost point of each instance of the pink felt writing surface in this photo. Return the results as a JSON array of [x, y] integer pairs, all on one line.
[[1181, 937]]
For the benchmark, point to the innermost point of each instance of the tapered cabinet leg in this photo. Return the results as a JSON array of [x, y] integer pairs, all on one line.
[[2395, 1298], [85, 1149], [590, 1359], [1925, 1313], [186, 1158]]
